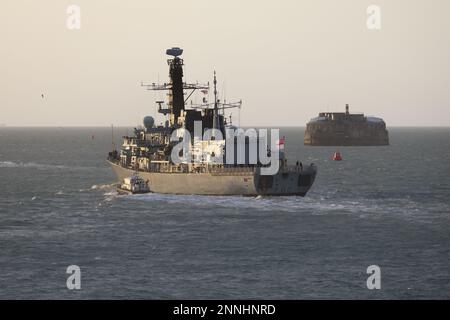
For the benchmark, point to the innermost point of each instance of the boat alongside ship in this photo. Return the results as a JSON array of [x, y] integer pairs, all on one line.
[[133, 185]]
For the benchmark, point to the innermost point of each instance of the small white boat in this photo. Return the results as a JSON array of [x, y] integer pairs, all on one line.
[[133, 185]]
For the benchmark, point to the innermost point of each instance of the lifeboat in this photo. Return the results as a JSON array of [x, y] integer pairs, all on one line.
[[337, 156]]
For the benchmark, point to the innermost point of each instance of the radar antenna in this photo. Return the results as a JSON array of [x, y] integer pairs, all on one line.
[[176, 86], [217, 105]]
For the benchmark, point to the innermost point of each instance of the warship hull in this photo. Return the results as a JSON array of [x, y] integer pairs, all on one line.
[[246, 183]]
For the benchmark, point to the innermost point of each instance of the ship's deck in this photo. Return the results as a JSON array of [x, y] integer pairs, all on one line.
[[214, 169]]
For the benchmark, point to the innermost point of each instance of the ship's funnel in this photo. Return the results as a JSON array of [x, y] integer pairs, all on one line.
[[174, 51]]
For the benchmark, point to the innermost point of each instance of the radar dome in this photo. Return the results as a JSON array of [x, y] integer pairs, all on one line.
[[149, 122], [175, 51]]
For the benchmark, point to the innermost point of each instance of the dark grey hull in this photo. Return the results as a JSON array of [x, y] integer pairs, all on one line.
[[333, 142], [239, 183], [347, 138]]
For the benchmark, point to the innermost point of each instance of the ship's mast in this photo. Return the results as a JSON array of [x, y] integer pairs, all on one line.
[[216, 124], [176, 79], [176, 87], [113, 145], [177, 102], [216, 106]]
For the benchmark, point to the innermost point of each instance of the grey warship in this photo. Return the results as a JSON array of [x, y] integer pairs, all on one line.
[[346, 129], [149, 151]]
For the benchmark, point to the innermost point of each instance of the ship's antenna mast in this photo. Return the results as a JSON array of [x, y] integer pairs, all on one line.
[[215, 114], [224, 97], [215, 90], [112, 138], [176, 87], [239, 118]]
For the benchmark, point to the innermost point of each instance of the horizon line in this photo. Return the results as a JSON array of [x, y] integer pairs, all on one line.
[[3, 126]]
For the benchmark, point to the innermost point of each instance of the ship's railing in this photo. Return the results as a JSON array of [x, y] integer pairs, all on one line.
[[232, 170], [296, 168], [166, 167], [114, 157], [188, 168], [191, 168]]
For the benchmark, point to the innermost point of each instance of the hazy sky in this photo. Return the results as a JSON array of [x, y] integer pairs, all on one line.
[[287, 60]]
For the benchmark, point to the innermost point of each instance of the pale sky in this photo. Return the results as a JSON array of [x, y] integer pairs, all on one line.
[[286, 59]]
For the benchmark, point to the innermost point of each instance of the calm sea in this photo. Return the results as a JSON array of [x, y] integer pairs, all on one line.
[[386, 206]]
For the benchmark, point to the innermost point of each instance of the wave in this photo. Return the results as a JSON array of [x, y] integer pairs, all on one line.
[[11, 164], [260, 203], [99, 187], [103, 186], [363, 208]]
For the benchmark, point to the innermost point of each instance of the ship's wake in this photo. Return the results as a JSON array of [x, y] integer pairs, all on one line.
[[259, 203], [12, 164], [312, 205], [103, 186]]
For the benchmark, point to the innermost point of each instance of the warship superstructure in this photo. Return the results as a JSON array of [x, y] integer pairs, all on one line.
[[346, 129], [149, 152]]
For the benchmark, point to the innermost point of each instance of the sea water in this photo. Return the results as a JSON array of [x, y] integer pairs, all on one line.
[[386, 206]]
